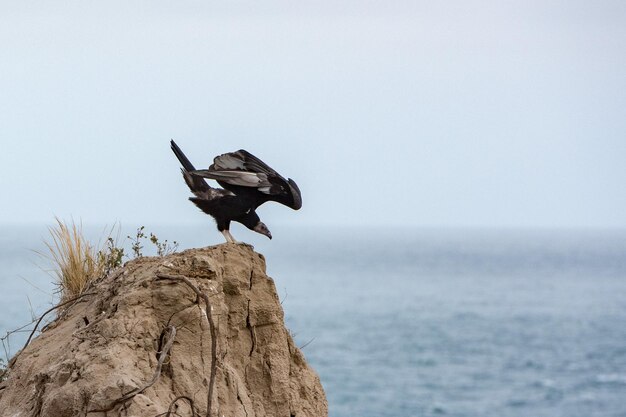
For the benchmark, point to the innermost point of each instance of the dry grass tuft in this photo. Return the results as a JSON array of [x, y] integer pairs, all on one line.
[[76, 262]]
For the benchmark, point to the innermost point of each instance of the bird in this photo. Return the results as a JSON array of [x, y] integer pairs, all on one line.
[[247, 183]]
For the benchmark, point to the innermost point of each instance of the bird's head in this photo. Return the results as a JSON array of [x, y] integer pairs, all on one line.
[[251, 221], [262, 229]]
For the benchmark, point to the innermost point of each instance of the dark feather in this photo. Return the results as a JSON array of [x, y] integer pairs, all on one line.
[[241, 169], [197, 185]]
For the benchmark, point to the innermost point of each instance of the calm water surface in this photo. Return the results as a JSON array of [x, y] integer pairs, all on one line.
[[426, 322]]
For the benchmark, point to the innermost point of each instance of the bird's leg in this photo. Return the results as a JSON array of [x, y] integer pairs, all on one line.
[[232, 239], [228, 236]]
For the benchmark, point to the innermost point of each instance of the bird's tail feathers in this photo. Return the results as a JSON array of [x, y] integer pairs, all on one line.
[[195, 183], [187, 165]]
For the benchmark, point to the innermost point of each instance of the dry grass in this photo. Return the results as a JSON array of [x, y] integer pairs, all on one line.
[[76, 262]]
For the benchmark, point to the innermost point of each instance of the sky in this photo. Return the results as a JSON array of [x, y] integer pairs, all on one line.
[[418, 113]]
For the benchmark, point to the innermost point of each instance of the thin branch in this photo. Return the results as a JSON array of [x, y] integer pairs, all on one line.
[[6, 337], [41, 318], [306, 344], [209, 316], [33, 317], [170, 410], [162, 356], [157, 372]]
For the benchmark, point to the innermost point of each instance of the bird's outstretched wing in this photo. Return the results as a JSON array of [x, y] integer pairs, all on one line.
[[197, 185], [242, 169]]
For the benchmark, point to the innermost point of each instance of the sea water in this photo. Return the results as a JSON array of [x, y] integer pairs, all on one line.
[[414, 322]]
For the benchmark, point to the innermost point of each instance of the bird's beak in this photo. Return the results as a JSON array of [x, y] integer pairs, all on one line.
[[262, 229]]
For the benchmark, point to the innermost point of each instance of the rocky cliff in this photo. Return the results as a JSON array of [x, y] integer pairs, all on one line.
[[141, 345]]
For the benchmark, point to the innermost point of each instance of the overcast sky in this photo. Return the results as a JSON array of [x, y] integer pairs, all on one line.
[[427, 113]]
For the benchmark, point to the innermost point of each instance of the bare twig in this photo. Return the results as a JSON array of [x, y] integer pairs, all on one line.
[[306, 344], [6, 341], [170, 409], [157, 372], [33, 317], [71, 300], [164, 352], [284, 298], [209, 316]]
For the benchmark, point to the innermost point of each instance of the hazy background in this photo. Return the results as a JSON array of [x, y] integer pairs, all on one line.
[[451, 119], [455, 113]]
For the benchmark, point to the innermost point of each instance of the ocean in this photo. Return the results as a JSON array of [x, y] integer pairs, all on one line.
[[423, 322]]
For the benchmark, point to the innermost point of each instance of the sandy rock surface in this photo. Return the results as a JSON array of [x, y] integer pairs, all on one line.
[[107, 345]]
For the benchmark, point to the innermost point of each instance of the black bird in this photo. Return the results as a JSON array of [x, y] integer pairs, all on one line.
[[248, 182]]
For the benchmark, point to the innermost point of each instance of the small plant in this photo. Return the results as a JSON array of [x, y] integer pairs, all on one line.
[[163, 248], [111, 256], [77, 263], [136, 246]]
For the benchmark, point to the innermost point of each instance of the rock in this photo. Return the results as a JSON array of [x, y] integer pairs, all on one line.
[[107, 345]]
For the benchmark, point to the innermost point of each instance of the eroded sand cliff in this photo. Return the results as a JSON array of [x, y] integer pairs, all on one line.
[[107, 345]]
